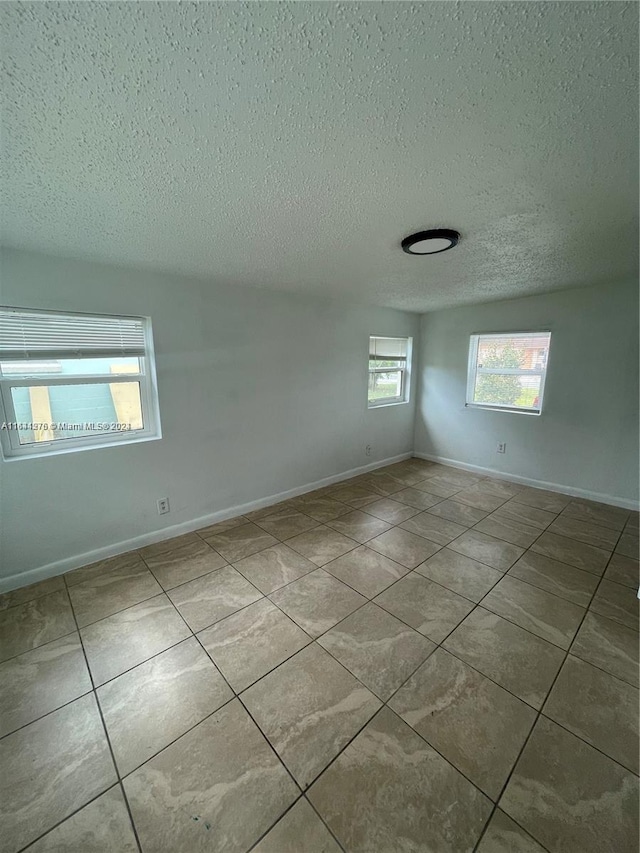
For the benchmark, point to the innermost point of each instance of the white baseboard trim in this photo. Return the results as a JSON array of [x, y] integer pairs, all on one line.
[[600, 497], [75, 562]]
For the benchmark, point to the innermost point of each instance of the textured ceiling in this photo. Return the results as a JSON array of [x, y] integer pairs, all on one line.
[[292, 145]]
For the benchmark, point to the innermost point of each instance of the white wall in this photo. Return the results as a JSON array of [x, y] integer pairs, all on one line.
[[260, 393], [586, 438]]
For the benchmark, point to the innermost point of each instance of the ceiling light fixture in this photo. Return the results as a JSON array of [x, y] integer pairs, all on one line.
[[430, 242]]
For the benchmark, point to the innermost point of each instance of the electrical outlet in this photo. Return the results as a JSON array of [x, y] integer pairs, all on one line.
[[163, 506], [368, 450], [502, 447]]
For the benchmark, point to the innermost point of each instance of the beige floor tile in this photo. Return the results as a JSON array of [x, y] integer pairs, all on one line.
[[317, 601], [475, 724], [585, 531], [366, 571], [37, 789], [570, 797], [34, 623], [391, 511], [552, 618], [500, 488], [599, 708], [628, 545], [415, 498], [107, 593], [461, 513], [522, 663], [325, 707], [404, 547], [287, 523], [559, 578], [322, 545], [359, 525], [39, 681], [240, 541], [515, 511], [250, 643], [540, 499], [177, 561], [435, 529], [377, 648], [623, 570], [461, 574], [208, 599], [299, 830], [382, 483], [438, 488], [102, 826], [216, 789], [477, 496], [578, 554], [272, 509], [159, 700], [353, 495], [609, 645], [616, 602], [505, 836], [508, 529], [132, 636], [424, 605], [321, 509], [487, 549], [455, 476], [222, 526], [274, 567], [388, 785], [28, 593], [121, 563], [607, 516]]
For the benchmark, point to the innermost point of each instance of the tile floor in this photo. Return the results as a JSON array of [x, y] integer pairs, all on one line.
[[418, 659]]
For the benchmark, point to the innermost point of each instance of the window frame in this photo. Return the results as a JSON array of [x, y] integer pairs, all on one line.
[[405, 373], [472, 372], [146, 379]]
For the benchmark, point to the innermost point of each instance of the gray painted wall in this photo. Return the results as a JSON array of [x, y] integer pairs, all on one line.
[[587, 435], [260, 392]]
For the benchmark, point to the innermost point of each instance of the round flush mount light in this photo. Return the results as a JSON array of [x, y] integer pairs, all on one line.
[[430, 242]]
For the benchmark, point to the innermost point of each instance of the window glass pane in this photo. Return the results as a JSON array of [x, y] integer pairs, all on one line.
[[500, 389], [385, 385], [527, 352], [57, 412], [386, 362], [117, 365]]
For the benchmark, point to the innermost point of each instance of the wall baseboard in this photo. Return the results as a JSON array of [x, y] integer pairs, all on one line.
[[69, 563], [600, 497]]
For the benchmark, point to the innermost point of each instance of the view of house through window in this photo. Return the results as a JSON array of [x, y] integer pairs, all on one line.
[[507, 371], [388, 370], [74, 381]]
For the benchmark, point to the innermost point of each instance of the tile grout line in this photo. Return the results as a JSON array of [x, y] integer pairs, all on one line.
[[104, 726], [312, 640], [539, 714]]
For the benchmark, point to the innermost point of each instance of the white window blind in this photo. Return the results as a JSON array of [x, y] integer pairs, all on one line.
[[387, 349], [26, 335]]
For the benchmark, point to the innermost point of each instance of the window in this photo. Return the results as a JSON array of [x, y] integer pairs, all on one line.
[[507, 371], [74, 381], [389, 360]]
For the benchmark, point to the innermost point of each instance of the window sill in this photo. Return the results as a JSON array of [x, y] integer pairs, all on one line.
[[387, 405], [513, 411], [60, 451]]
